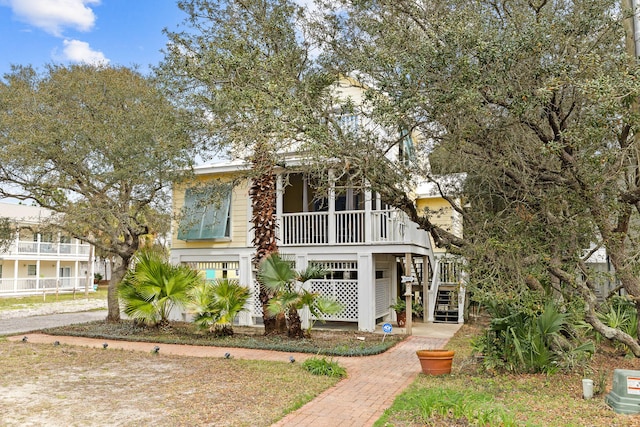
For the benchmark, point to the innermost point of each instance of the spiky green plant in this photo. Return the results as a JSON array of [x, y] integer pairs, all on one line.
[[525, 342], [290, 296], [216, 304], [324, 366], [154, 287]]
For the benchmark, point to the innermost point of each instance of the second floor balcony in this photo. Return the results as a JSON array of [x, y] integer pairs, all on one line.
[[349, 228], [19, 248]]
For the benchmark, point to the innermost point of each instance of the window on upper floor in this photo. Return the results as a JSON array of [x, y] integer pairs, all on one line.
[[205, 217], [407, 152], [32, 270], [349, 123]]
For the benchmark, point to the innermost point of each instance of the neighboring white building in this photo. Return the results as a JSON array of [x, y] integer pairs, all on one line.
[[40, 261]]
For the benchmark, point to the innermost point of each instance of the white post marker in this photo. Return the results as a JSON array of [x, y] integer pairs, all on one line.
[[386, 328]]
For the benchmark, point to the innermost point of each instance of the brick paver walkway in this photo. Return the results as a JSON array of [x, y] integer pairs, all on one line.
[[373, 382]]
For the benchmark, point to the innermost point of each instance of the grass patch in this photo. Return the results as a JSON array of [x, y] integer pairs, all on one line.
[[329, 343], [473, 396], [146, 389], [322, 366], [17, 303]]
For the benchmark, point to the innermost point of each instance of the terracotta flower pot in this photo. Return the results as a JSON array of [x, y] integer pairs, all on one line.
[[435, 362], [402, 318]]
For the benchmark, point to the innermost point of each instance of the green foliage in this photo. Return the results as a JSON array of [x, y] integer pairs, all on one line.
[[338, 344], [528, 135], [401, 306], [7, 233], [104, 147], [154, 287], [290, 295], [216, 304], [620, 313], [323, 366], [525, 342], [475, 408]]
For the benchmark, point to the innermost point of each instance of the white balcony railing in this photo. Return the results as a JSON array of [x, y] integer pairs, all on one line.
[[35, 285], [47, 248], [350, 227]]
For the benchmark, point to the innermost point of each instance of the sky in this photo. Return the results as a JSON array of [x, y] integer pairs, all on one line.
[[119, 32]]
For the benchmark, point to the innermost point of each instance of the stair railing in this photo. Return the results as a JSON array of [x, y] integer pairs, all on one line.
[[433, 290]]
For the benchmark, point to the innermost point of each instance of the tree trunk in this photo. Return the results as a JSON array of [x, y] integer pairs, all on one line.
[[294, 328], [263, 204], [120, 268]]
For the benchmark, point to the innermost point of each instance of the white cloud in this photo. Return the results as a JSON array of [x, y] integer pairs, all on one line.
[[54, 15], [80, 52]]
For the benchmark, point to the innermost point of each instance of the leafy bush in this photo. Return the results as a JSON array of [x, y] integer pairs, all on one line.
[[620, 313], [539, 342], [290, 296], [216, 304], [322, 366], [154, 287]]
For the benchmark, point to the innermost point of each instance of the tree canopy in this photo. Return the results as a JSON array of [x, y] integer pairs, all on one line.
[[243, 68], [536, 102], [99, 145]]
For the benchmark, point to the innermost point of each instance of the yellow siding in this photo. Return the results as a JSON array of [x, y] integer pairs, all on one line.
[[440, 211], [239, 218], [441, 214]]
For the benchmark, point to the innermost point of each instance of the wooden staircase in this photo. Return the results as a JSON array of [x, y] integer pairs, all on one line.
[[446, 310]]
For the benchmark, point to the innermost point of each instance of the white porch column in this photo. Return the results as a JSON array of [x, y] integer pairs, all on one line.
[[76, 273], [408, 293], [302, 263], [366, 293], [15, 275], [331, 223], [367, 216], [38, 267], [245, 276], [57, 275]]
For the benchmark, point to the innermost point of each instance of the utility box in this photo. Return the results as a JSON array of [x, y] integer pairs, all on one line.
[[624, 397]]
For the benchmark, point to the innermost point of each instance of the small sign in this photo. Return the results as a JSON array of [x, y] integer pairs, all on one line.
[[633, 385], [407, 279], [386, 328]]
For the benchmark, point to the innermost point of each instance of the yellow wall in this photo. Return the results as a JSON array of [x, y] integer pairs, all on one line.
[[239, 218], [441, 214]]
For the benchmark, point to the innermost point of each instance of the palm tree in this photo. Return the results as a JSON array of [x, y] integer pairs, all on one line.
[[216, 304], [289, 294], [154, 287], [263, 208]]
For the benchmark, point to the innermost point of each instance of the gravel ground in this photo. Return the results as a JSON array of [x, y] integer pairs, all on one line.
[[51, 315]]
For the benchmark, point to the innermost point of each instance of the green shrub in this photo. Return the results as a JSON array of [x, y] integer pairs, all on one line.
[[322, 366], [216, 304], [538, 342], [154, 287], [468, 407], [620, 313]]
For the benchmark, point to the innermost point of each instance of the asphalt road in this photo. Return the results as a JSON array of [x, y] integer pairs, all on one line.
[[20, 325]]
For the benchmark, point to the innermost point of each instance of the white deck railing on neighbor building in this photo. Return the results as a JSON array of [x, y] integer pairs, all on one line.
[[349, 227], [39, 285], [47, 248]]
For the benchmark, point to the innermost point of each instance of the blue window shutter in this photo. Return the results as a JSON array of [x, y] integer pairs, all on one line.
[[204, 220]]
